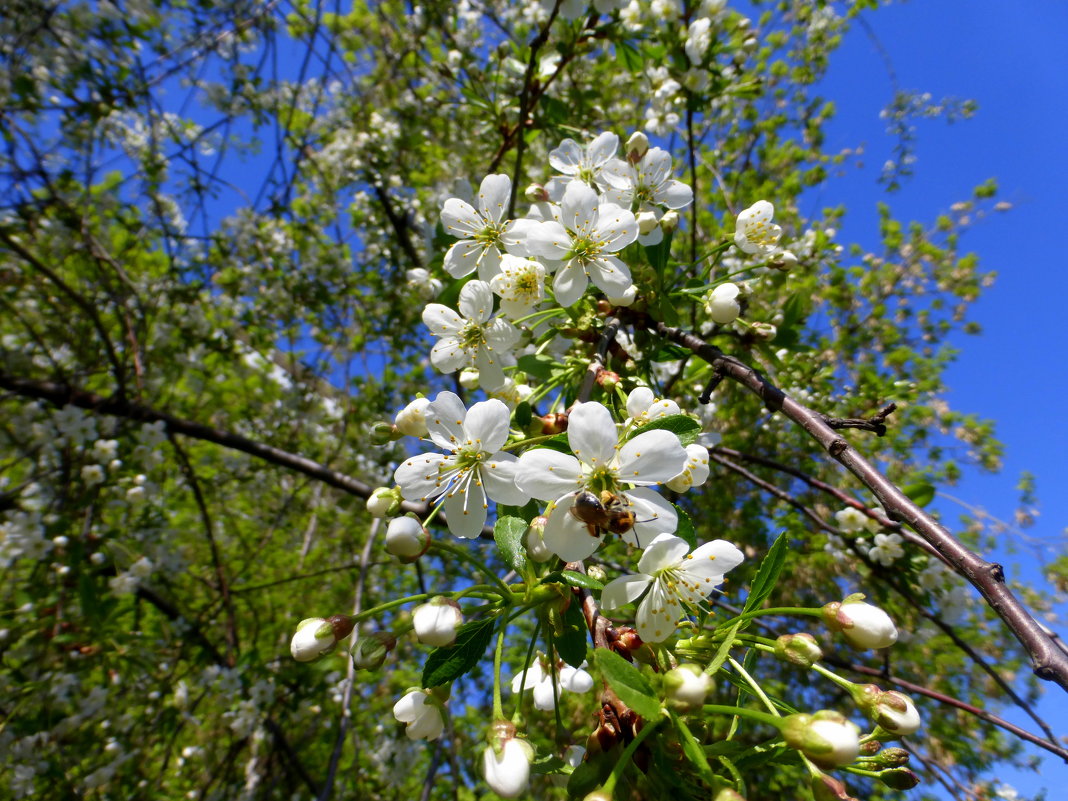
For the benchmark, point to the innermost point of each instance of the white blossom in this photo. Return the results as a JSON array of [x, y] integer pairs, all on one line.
[[539, 678], [485, 233], [422, 715], [722, 303], [754, 232], [508, 772], [520, 285], [887, 549]]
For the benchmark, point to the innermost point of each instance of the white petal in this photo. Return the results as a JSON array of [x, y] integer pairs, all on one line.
[[548, 239], [493, 196], [567, 537], [498, 474], [546, 474], [638, 401], [489, 263], [602, 148], [711, 560], [420, 476], [651, 458], [501, 335], [490, 375], [620, 176], [674, 195], [616, 228], [447, 355], [578, 209], [441, 320], [666, 550], [570, 283], [445, 420], [623, 590], [409, 707], [463, 257], [591, 433], [658, 615], [514, 237], [544, 698], [575, 680], [476, 301], [466, 511], [534, 675], [487, 424], [609, 275], [459, 219], [654, 516], [567, 157]]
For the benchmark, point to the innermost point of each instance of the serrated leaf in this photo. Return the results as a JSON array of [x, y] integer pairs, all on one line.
[[684, 427], [571, 645], [630, 685], [685, 528], [508, 533], [692, 749], [724, 649], [768, 573], [581, 580], [449, 663], [921, 493]]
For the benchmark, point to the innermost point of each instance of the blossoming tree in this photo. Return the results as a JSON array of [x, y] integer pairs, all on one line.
[[409, 400]]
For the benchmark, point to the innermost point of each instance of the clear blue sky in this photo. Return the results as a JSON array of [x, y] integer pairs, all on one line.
[[1013, 59]]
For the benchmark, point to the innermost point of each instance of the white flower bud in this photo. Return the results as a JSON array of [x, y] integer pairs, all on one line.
[[722, 303], [669, 222], [784, 260], [894, 712], [436, 621], [636, 147], [765, 331], [508, 772], [422, 715], [406, 538], [687, 686], [627, 298], [537, 550], [383, 502], [536, 193], [411, 420], [316, 636], [798, 649], [469, 378], [863, 625], [647, 221], [827, 738], [371, 650]]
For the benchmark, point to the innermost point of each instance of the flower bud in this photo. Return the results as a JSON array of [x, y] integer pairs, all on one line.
[[899, 778], [669, 222], [765, 331], [421, 710], [646, 221], [406, 538], [436, 621], [636, 147], [630, 294], [798, 649], [687, 686], [727, 794], [384, 502], [608, 380], [506, 766], [317, 636], [371, 650], [784, 260], [411, 420], [894, 712], [827, 738], [722, 303], [597, 573], [537, 550], [863, 625], [536, 193], [469, 378], [383, 433], [891, 758]]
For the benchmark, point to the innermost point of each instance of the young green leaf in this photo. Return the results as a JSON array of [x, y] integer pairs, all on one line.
[[684, 427], [630, 685], [571, 645], [508, 532], [452, 661], [581, 580], [768, 573], [692, 749]]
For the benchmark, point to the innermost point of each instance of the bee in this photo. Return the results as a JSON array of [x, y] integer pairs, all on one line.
[[607, 512]]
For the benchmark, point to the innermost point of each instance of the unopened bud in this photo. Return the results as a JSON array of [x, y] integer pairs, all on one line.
[[891, 758], [687, 686], [798, 649], [669, 222], [630, 294], [436, 621], [411, 420], [765, 331], [784, 260], [469, 378], [506, 762], [597, 573], [636, 147], [384, 502], [647, 221], [371, 650], [554, 423], [317, 636], [894, 712], [899, 778], [406, 538], [827, 738], [534, 541], [727, 794], [608, 380], [536, 193], [863, 625], [383, 433]]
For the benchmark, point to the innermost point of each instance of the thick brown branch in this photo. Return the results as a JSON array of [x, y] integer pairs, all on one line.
[[1047, 660]]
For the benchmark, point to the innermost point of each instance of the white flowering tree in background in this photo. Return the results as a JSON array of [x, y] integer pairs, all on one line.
[[421, 401]]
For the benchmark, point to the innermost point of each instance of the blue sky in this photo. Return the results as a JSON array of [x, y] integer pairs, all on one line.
[[1013, 60]]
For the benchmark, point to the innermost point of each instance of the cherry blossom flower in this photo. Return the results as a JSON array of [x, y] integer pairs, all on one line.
[[578, 163], [588, 232], [722, 303], [643, 405], [887, 549], [754, 231], [540, 678], [520, 285], [485, 232], [508, 772], [473, 470], [471, 338], [643, 185], [422, 715], [601, 464], [696, 471], [673, 577]]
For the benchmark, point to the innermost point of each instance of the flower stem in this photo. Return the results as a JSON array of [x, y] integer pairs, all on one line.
[[498, 654], [757, 690], [762, 717], [506, 592]]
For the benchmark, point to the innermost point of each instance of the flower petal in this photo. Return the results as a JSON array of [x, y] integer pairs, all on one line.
[[575, 680], [570, 283], [616, 228], [466, 511], [674, 195], [463, 257], [665, 551], [493, 196], [624, 590], [567, 157], [591, 433], [546, 474], [498, 475], [711, 560], [447, 355], [578, 209], [460, 219], [441, 320], [486, 424], [445, 421], [653, 516], [601, 149], [658, 615], [651, 458], [609, 275], [419, 477], [476, 301], [567, 537]]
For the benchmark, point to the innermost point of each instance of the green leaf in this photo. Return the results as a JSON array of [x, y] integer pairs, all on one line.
[[448, 663], [724, 649], [508, 532], [768, 573], [581, 580], [630, 685], [658, 254], [537, 365], [571, 645], [522, 415], [685, 528], [629, 57], [684, 427], [692, 749], [921, 493]]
